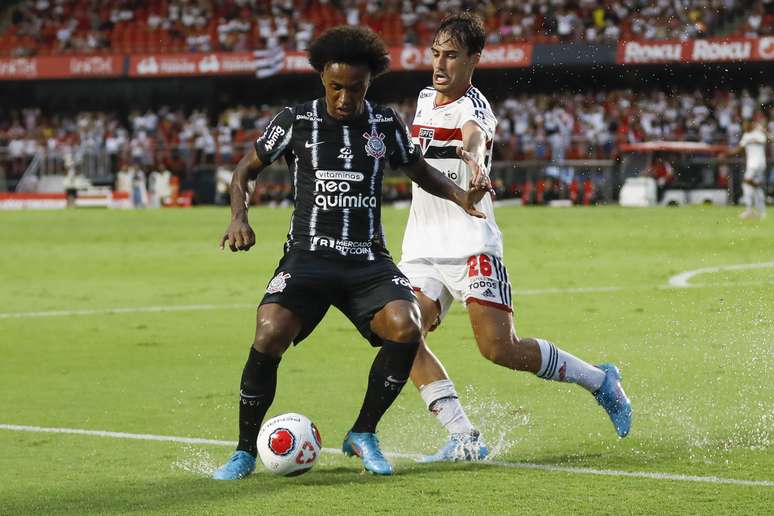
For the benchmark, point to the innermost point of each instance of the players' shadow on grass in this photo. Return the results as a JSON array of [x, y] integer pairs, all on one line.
[[163, 496]]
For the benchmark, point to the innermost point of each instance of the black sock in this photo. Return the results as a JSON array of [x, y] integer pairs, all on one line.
[[389, 373], [259, 382]]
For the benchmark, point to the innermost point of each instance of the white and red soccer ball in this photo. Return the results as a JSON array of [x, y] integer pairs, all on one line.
[[289, 444]]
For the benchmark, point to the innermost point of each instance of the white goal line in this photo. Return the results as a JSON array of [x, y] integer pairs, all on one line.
[[650, 475]]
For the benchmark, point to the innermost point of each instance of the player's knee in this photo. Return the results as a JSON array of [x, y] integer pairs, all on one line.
[[271, 337], [404, 327]]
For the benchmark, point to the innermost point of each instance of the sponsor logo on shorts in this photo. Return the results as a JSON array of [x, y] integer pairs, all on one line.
[[484, 283], [344, 247], [278, 283], [400, 280], [488, 293]]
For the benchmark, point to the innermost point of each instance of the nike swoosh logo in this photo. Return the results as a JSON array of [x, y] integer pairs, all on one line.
[[242, 394], [307, 144]]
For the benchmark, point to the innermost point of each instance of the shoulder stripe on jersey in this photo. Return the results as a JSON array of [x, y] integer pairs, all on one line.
[[476, 102], [477, 93], [439, 133]]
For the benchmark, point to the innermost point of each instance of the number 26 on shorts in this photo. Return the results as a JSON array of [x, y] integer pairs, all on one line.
[[479, 266]]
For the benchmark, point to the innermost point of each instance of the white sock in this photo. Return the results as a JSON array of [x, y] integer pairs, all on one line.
[[561, 366], [441, 399], [747, 195], [759, 200]]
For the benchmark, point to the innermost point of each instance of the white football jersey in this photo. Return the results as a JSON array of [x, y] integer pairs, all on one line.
[[754, 143], [438, 228]]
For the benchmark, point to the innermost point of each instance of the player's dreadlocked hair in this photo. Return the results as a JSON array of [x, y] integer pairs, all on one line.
[[465, 29], [350, 45]]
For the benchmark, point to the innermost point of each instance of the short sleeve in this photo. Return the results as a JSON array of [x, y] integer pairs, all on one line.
[[276, 138], [405, 152], [477, 111]]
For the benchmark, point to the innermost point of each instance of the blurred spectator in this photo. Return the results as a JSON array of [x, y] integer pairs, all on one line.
[[126, 26]]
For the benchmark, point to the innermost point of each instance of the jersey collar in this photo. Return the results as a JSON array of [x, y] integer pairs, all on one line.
[[361, 119], [452, 101]]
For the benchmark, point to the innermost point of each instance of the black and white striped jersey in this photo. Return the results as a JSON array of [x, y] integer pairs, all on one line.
[[336, 168]]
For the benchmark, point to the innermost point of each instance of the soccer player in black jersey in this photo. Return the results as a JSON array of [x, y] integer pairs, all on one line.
[[336, 148]]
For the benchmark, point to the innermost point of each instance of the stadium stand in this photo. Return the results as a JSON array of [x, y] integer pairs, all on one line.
[[56, 27], [556, 127], [541, 125]]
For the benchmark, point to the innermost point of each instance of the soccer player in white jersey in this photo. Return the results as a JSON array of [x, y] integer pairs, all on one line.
[[448, 256], [753, 143]]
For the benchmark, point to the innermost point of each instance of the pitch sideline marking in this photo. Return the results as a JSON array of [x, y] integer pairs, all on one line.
[[681, 280], [517, 465], [188, 308], [129, 310]]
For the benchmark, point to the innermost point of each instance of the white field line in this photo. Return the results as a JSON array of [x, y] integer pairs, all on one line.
[[128, 310], [677, 281], [413, 456], [681, 280]]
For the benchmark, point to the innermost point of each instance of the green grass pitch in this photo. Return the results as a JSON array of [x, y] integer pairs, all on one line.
[[697, 363]]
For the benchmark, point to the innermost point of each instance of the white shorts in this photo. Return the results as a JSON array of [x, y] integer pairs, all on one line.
[[755, 174], [479, 279]]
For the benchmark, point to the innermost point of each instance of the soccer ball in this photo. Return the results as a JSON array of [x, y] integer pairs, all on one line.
[[289, 444]]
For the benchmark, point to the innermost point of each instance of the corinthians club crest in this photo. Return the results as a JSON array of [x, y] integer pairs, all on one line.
[[278, 283], [375, 146]]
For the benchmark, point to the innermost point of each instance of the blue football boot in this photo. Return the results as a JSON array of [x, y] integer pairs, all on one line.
[[238, 466], [460, 447], [366, 446], [613, 399]]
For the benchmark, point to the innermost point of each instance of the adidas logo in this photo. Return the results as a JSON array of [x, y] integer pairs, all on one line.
[[488, 293]]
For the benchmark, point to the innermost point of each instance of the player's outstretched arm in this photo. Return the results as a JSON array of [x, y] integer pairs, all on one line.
[[473, 153], [436, 183], [732, 152], [240, 235]]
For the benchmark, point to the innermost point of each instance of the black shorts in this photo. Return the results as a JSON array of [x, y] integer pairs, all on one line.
[[308, 284]]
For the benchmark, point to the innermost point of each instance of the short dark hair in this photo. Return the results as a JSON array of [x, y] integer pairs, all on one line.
[[350, 45], [465, 29]]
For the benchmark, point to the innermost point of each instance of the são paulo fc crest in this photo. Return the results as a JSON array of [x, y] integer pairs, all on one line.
[[375, 146], [278, 283], [425, 138]]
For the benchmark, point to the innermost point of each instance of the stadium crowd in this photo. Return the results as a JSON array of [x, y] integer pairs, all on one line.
[[531, 127], [42, 27]]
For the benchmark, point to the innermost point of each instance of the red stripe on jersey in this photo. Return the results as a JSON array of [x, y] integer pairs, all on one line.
[[441, 134]]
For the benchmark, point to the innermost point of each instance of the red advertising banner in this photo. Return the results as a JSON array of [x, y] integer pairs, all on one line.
[[493, 56], [696, 51], [216, 63], [70, 67]]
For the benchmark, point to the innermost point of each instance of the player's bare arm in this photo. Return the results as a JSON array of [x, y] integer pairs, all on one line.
[[239, 234], [473, 153], [436, 183]]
